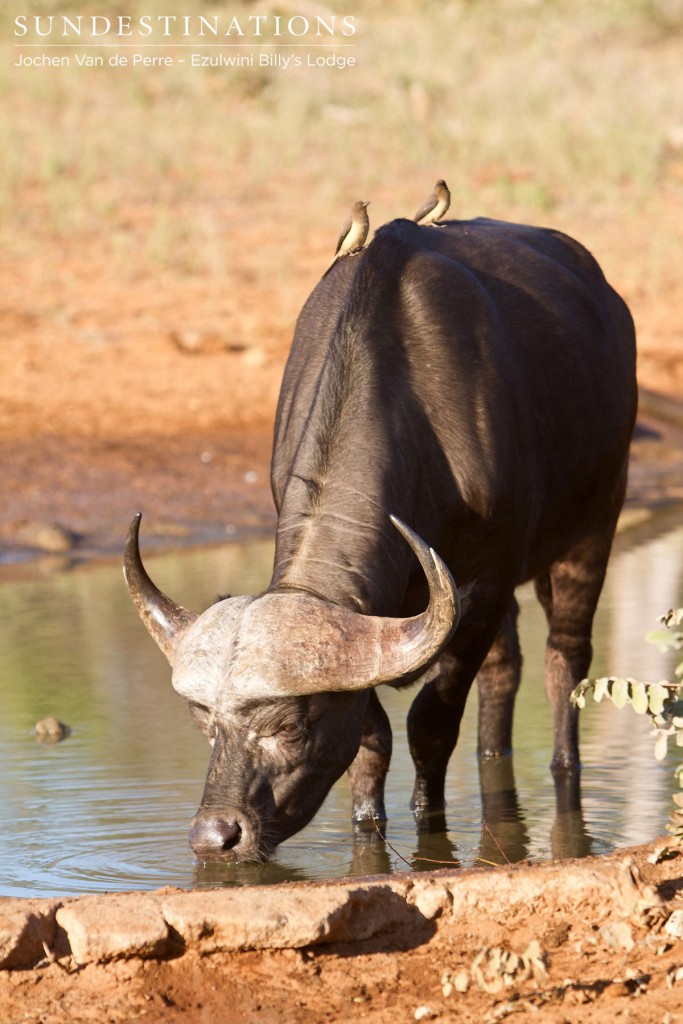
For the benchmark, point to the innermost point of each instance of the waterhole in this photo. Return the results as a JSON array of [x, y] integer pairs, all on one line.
[[109, 807]]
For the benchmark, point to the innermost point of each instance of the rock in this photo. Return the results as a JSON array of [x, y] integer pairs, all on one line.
[[673, 976], [674, 925], [202, 342], [46, 536], [617, 990], [617, 935], [425, 1013], [430, 899], [557, 934], [461, 981], [51, 730], [265, 918], [100, 928], [451, 983], [24, 926]]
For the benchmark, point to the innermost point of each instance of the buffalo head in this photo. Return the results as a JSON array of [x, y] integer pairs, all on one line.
[[279, 684]]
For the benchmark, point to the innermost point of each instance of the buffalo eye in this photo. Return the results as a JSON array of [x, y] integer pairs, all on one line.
[[291, 730]]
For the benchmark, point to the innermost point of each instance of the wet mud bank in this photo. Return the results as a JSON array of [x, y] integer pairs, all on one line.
[[589, 939]]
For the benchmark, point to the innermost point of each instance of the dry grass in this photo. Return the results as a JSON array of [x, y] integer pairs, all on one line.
[[550, 111]]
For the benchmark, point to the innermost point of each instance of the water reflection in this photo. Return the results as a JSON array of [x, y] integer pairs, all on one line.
[[109, 807], [569, 835], [504, 835]]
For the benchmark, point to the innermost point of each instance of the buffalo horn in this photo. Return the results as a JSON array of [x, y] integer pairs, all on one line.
[[165, 621], [299, 644], [409, 646]]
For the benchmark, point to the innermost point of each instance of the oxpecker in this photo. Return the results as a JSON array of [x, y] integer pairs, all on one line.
[[436, 207], [354, 232]]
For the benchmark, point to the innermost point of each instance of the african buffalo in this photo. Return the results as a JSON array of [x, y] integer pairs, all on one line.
[[479, 383]]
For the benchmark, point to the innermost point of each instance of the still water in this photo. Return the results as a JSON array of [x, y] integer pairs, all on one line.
[[109, 808]]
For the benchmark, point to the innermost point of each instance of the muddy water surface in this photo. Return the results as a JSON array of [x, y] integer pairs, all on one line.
[[108, 808]]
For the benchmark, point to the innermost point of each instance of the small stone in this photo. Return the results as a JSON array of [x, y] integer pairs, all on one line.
[[194, 342], [461, 981], [46, 536], [425, 1013], [662, 853], [557, 935], [617, 989], [617, 935], [188, 341], [674, 926], [254, 356], [657, 944], [673, 976], [430, 900], [51, 730]]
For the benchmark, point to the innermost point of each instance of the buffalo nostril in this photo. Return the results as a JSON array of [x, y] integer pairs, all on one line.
[[214, 834], [229, 832]]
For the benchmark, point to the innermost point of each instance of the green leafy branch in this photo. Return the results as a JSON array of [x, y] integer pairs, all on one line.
[[662, 702]]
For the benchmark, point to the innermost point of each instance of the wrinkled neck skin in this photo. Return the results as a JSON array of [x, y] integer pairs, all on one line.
[[339, 547], [334, 477]]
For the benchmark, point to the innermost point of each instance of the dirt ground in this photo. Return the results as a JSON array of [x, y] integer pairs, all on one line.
[[113, 401], [589, 944]]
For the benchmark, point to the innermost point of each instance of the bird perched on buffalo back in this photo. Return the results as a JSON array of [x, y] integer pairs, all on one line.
[[354, 232], [436, 206]]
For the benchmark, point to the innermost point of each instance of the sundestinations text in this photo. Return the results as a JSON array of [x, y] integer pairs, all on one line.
[[183, 25]]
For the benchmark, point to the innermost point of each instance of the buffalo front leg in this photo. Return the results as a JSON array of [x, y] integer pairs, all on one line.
[[433, 726], [569, 594], [498, 681], [368, 771], [435, 715]]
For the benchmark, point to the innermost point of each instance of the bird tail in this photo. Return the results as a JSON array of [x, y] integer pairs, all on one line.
[[334, 261]]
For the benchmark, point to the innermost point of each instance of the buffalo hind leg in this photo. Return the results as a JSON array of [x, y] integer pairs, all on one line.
[[368, 771], [569, 594], [498, 681]]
